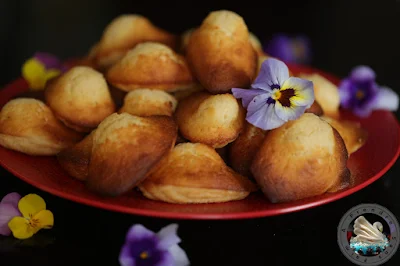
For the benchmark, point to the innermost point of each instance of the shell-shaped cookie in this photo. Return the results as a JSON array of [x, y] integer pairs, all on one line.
[[302, 158], [29, 126], [122, 34], [80, 98], [215, 120], [151, 65], [125, 148], [147, 102], [353, 134], [195, 173], [220, 53]]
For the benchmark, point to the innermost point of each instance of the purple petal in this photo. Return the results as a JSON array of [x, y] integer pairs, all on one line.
[[262, 115], [49, 60], [11, 198], [301, 50], [362, 74], [168, 237], [125, 258], [289, 113], [386, 99], [345, 93], [272, 72], [7, 212], [280, 47], [138, 232], [246, 95], [179, 255], [304, 90]]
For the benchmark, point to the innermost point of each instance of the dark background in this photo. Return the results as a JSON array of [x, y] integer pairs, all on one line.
[[343, 34]]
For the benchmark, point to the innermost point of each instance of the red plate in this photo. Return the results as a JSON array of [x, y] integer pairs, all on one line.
[[367, 165]]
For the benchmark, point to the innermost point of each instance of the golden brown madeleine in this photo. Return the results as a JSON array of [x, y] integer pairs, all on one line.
[[75, 159], [147, 102], [215, 120], [220, 53], [302, 158], [151, 65], [80, 98], [29, 126], [245, 147], [195, 173], [315, 108], [125, 148], [353, 134], [326, 93], [255, 42], [123, 33]]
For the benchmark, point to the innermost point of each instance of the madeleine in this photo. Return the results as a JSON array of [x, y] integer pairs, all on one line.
[[220, 53], [326, 93], [80, 98], [215, 120], [303, 158], [30, 127], [125, 148], [151, 65], [195, 173], [147, 102], [122, 34], [354, 136], [245, 147], [256, 43]]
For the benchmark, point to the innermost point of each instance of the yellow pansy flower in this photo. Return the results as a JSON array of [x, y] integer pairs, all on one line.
[[36, 74], [35, 217]]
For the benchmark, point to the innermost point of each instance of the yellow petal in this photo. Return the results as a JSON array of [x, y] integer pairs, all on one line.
[[52, 73], [30, 205], [34, 72], [20, 228], [45, 219]]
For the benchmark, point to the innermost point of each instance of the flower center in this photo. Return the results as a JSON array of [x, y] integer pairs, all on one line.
[[32, 221], [360, 94], [283, 96], [144, 255]]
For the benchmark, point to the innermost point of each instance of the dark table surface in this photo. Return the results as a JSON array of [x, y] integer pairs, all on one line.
[[84, 235]]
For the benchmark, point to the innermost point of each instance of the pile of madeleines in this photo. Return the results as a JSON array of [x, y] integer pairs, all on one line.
[[150, 110]]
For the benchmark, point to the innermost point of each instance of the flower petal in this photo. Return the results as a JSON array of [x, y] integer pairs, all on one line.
[[31, 204], [262, 115], [20, 228], [289, 113], [280, 46], [48, 60], [7, 212], [168, 236], [45, 219], [34, 73], [11, 198], [52, 73], [272, 72], [362, 73], [386, 99], [179, 255], [138, 231], [125, 258], [304, 91], [345, 93], [246, 95]]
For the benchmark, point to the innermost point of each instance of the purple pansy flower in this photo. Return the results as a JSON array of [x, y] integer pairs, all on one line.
[[145, 248], [50, 61], [296, 49], [360, 93], [275, 98], [8, 210]]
